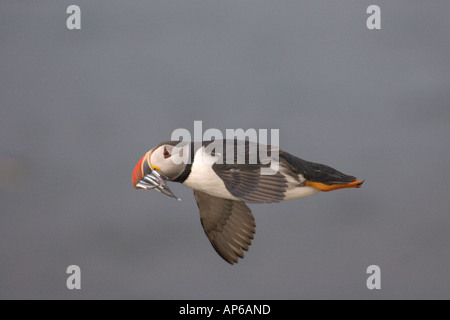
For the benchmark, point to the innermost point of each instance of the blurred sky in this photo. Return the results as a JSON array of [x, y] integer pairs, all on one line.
[[79, 108]]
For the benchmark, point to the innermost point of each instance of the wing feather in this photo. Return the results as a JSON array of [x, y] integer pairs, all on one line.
[[246, 182], [228, 224]]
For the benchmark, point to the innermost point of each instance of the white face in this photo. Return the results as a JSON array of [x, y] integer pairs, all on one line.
[[161, 159]]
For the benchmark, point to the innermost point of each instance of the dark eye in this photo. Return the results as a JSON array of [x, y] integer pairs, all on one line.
[[166, 153]]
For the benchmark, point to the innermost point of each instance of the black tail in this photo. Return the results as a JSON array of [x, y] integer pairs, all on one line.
[[315, 171]]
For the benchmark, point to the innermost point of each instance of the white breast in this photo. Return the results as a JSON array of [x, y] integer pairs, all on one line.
[[300, 192], [203, 177]]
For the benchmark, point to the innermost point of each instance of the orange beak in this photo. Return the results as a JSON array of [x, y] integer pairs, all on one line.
[[154, 180], [331, 187], [138, 172]]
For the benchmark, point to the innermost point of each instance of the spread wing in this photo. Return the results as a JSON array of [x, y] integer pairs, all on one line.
[[243, 177], [228, 224]]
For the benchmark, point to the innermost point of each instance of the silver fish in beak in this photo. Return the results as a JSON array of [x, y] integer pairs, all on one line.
[[158, 181]]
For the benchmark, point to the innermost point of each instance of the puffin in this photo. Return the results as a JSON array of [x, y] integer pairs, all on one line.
[[226, 175]]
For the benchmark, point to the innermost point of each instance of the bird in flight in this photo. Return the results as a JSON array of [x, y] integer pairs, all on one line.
[[222, 188]]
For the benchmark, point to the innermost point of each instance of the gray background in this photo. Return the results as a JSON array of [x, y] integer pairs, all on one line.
[[79, 109]]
